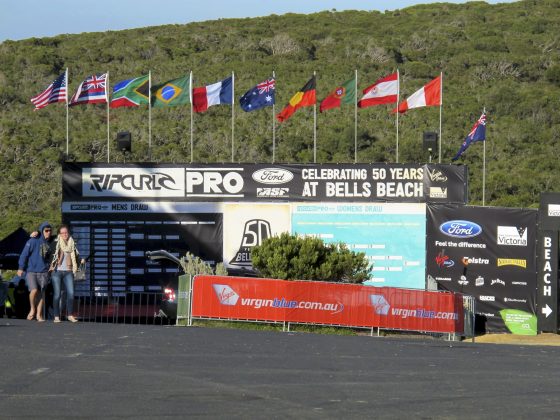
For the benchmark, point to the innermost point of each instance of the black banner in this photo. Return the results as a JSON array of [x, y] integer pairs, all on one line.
[[265, 183], [489, 253], [116, 244], [547, 290]]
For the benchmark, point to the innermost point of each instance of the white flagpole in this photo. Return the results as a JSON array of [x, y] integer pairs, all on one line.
[[150, 116], [315, 123], [232, 113], [274, 120], [398, 99], [440, 111], [356, 116], [191, 100], [67, 124], [484, 168], [108, 121]]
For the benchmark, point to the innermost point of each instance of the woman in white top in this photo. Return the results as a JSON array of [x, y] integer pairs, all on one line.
[[63, 267]]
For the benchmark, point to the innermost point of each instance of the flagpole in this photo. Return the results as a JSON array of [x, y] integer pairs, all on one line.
[[108, 121], [274, 120], [149, 115], [356, 116], [232, 113], [398, 99], [440, 111], [67, 124], [190, 98], [484, 168], [315, 124]]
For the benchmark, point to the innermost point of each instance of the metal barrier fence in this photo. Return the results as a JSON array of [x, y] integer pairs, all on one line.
[[435, 313], [128, 308], [146, 308], [469, 311]]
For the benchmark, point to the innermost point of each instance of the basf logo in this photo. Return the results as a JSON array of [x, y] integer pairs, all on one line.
[[214, 182], [460, 229], [512, 236], [554, 210], [272, 176], [133, 182], [273, 192], [225, 294]]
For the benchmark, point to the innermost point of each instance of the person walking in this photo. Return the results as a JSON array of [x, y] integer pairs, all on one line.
[[63, 266], [35, 259]]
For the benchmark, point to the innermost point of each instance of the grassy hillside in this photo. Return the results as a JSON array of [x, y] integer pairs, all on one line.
[[502, 57]]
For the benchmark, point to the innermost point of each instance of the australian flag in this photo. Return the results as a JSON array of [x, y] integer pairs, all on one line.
[[259, 96], [93, 90], [477, 133]]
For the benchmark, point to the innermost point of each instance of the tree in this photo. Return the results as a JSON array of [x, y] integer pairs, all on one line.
[[290, 257]]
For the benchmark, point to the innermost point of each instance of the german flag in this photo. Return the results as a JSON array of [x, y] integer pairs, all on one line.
[[305, 97]]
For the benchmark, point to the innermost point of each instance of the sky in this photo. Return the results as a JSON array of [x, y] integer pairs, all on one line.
[[21, 19]]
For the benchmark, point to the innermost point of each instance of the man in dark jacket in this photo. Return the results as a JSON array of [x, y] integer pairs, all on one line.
[[35, 259]]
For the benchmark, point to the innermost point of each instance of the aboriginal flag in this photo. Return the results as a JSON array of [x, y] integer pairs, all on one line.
[[304, 97]]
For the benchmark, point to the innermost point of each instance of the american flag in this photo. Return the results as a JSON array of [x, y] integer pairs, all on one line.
[[93, 90], [55, 92]]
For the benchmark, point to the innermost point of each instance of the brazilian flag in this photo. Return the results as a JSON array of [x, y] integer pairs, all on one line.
[[171, 93]]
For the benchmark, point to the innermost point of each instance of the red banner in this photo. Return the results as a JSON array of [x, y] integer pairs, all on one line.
[[326, 303]]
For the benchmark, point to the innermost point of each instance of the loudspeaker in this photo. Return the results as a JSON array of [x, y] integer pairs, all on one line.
[[124, 141], [430, 140]]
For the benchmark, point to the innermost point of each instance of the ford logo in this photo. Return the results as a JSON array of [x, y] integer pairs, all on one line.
[[272, 176], [460, 229]]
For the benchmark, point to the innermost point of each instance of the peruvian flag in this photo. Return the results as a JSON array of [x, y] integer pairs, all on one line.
[[384, 91], [215, 94], [429, 95]]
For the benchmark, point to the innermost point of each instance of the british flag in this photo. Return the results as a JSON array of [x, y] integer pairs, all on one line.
[[55, 92], [93, 90]]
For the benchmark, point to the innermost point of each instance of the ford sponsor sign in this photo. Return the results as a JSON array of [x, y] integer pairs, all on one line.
[[272, 176], [460, 229]]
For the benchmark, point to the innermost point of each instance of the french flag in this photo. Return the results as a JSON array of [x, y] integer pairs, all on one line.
[[215, 94]]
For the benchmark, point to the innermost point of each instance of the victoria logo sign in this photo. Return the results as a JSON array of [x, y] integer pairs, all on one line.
[[460, 229]]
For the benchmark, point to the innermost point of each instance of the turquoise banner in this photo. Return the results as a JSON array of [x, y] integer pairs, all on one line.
[[393, 236]]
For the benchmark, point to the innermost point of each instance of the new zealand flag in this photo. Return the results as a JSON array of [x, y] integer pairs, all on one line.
[[259, 96], [478, 133]]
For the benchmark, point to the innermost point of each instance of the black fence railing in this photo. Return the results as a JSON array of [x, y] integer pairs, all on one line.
[[127, 308]]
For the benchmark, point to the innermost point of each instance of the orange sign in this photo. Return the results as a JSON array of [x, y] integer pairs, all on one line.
[[315, 302]]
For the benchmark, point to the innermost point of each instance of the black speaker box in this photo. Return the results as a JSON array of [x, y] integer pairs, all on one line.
[[124, 141], [430, 140]]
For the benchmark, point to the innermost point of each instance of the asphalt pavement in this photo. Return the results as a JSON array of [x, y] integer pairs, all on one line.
[[89, 370]]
